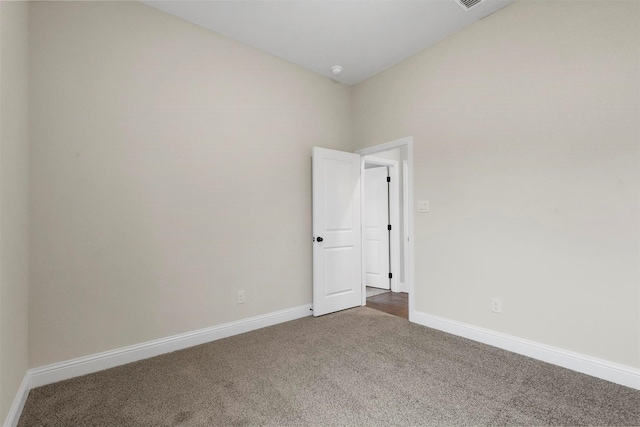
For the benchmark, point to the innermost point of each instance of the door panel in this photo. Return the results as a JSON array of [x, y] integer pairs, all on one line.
[[338, 271], [336, 219], [376, 233], [338, 196]]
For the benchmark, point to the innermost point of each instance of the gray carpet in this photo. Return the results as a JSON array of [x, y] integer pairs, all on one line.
[[359, 367]]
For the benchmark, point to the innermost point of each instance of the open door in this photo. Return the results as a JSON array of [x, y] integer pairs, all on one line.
[[337, 251], [375, 221]]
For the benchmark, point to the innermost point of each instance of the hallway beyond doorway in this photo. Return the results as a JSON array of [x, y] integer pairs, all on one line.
[[395, 303]]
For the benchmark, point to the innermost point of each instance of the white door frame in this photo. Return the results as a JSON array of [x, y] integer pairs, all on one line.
[[408, 143], [405, 223], [394, 220]]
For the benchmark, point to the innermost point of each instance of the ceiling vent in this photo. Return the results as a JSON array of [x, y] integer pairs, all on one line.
[[468, 4]]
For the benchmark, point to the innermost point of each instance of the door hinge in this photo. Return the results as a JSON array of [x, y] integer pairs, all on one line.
[[390, 276], [388, 179], [389, 227]]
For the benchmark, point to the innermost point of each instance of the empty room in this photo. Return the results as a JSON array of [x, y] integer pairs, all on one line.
[[187, 226]]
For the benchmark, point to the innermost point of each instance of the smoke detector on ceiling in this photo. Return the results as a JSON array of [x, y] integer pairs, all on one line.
[[468, 4]]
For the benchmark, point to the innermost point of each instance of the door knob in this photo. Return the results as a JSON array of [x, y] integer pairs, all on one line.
[[319, 239]]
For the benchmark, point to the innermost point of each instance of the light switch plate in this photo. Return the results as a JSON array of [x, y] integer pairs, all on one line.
[[423, 206]]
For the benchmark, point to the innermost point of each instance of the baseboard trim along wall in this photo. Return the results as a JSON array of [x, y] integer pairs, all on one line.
[[616, 373], [109, 359], [49, 374], [18, 403], [403, 287]]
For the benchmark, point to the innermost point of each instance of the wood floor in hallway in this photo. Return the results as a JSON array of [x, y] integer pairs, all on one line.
[[396, 303]]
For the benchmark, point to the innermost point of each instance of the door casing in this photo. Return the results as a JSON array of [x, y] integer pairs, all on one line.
[[409, 251]]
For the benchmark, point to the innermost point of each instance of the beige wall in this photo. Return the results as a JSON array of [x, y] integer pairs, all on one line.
[[171, 168], [526, 128], [14, 145]]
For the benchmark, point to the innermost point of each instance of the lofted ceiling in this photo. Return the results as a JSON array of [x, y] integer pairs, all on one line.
[[362, 36]]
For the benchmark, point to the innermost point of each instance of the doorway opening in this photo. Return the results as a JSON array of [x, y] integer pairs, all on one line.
[[385, 228]]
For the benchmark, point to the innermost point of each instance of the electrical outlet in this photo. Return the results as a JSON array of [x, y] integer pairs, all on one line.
[[496, 305], [240, 297]]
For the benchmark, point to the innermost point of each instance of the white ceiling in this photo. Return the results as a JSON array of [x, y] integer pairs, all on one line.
[[362, 36]]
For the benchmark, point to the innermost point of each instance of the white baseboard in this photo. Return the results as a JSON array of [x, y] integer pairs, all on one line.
[[36, 377], [616, 373], [18, 403], [403, 287], [109, 359]]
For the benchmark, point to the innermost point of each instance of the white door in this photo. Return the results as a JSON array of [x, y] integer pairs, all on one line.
[[337, 251], [375, 225]]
